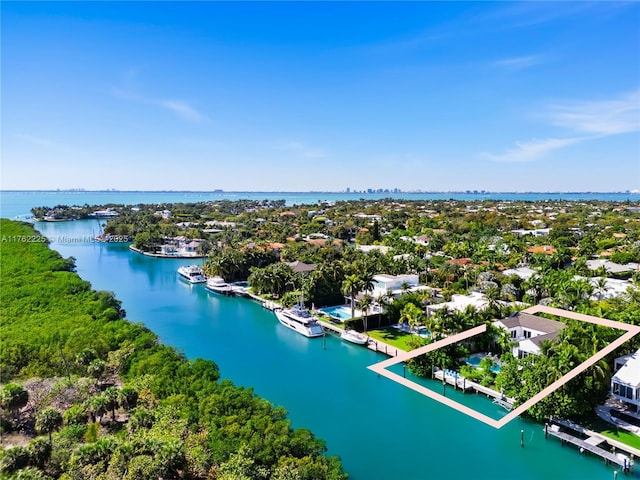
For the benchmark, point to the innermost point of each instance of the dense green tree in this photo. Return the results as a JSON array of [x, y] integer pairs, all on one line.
[[13, 397], [48, 420]]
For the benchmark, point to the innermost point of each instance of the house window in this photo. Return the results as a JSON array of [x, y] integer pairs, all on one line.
[[513, 334], [527, 334], [628, 393], [623, 391]]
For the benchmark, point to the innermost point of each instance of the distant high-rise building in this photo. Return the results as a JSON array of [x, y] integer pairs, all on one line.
[[348, 190]]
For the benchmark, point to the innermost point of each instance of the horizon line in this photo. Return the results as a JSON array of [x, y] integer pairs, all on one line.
[[466, 192]]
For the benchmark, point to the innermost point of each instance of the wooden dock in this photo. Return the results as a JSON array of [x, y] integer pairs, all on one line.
[[464, 384], [457, 381], [590, 445]]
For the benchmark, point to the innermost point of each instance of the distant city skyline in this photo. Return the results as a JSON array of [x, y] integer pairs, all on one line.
[[321, 96]]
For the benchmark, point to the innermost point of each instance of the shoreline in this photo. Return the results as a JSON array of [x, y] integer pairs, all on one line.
[[163, 255]]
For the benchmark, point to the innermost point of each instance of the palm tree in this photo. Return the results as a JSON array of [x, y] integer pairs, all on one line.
[[364, 304], [96, 407], [382, 300], [111, 396], [13, 397], [351, 286], [366, 280], [412, 315], [601, 287], [48, 420]]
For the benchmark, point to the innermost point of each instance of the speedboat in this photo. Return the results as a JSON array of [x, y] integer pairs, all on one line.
[[192, 273], [299, 319], [354, 337], [218, 285]]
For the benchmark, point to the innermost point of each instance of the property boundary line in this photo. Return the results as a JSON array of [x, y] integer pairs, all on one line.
[[381, 367]]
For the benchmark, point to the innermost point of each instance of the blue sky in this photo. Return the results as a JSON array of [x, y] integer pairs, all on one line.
[[296, 96]]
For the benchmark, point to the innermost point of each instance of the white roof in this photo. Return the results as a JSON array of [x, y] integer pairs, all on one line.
[[460, 302], [629, 374], [612, 267], [522, 272]]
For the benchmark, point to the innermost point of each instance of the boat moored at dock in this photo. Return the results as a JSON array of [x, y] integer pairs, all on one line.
[[218, 285], [192, 274], [354, 337], [299, 319]]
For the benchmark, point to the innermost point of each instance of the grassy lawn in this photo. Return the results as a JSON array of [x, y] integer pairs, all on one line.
[[325, 319], [623, 436], [595, 423], [392, 336]]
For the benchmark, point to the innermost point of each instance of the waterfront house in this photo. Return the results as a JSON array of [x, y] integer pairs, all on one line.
[[168, 249], [301, 267], [529, 331], [393, 284], [625, 384], [459, 303]]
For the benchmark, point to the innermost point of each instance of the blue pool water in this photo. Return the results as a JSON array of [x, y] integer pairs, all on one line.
[[337, 311], [475, 360]]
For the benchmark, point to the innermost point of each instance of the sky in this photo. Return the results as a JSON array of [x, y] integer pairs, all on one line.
[[300, 96]]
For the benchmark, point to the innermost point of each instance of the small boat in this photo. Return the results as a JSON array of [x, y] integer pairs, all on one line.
[[354, 337], [192, 273], [299, 319], [218, 285]]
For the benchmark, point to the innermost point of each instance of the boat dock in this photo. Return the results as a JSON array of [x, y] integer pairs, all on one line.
[[452, 378], [590, 444], [375, 345]]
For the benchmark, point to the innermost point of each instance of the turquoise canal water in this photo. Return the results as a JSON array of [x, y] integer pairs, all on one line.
[[380, 429]]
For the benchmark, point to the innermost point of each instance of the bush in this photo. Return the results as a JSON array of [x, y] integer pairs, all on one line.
[[75, 415], [13, 459], [74, 432]]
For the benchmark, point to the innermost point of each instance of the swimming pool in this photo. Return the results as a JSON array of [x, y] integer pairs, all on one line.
[[475, 359], [339, 312]]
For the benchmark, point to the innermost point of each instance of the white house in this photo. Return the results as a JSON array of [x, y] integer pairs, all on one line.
[[625, 384], [459, 303], [369, 248], [529, 331], [612, 267], [382, 284], [525, 273], [538, 232]]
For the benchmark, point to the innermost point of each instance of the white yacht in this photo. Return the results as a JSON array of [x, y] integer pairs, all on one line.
[[354, 337], [218, 285], [192, 273], [299, 319]]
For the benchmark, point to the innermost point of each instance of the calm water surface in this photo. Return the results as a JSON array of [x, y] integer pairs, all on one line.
[[19, 203], [380, 429]]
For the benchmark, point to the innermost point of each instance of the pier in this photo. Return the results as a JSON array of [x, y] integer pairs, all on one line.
[[452, 377], [590, 444]]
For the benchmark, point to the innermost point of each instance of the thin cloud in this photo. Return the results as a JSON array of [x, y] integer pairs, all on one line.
[[182, 109], [529, 14], [603, 118], [591, 119], [41, 142], [518, 62], [532, 150], [179, 108]]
